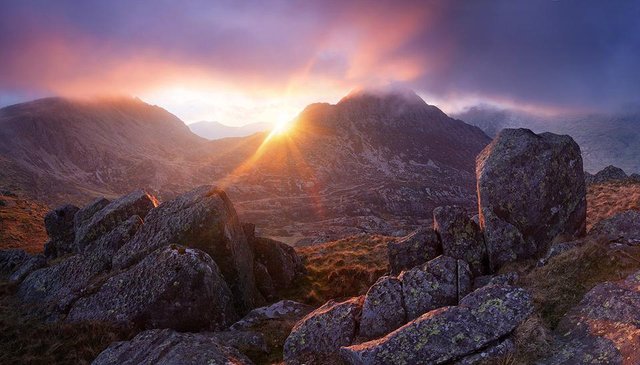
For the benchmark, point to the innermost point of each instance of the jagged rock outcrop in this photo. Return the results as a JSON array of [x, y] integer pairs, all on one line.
[[205, 219], [85, 213], [383, 309], [430, 286], [59, 224], [622, 228], [110, 216], [15, 264], [281, 261], [449, 333], [412, 250], [33, 263], [282, 310], [167, 347], [604, 328], [174, 287], [503, 241], [460, 236], [317, 338], [535, 183], [609, 173]]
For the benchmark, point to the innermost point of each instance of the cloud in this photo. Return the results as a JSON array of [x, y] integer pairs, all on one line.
[[552, 54]]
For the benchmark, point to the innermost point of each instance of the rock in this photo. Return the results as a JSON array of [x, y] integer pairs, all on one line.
[[88, 211], [604, 326], [108, 244], [623, 228], [430, 286], [205, 219], [167, 347], [383, 308], [415, 249], [609, 173], [322, 332], [535, 183], [11, 260], [59, 226], [281, 261], [510, 278], [491, 355], [54, 289], [174, 287], [264, 281], [448, 333], [113, 214], [282, 310], [247, 342], [32, 264], [461, 238], [464, 279], [634, 177], [503, 241], [557, 249]]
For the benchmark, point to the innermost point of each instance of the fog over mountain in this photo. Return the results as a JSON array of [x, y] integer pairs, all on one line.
[[605, 138], [217, 130]]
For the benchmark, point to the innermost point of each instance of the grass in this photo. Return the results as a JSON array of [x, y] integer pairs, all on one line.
[[22, 223], [607, 199], [340, 269], [25, 339]]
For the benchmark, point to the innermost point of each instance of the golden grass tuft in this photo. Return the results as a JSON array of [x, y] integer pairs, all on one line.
[[22, 223], [606, 199]]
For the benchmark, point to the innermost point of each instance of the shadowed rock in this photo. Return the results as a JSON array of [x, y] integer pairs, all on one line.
[[609, 173], [503, 241], [604, 326], [61, 231], [448, 333], [464, 278], [383, 309], [15, 264], [460, 236], [491, 355], [281, 261], [32, 264], [535, 183], [623, 228], [174, 287], [167, 347], [104, 220], [88, 211], [205, 219], [412, 250], [317, 338]]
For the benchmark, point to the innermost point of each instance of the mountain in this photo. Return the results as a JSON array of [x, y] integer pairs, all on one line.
[[374, 162], [605, 138], [215, 130]]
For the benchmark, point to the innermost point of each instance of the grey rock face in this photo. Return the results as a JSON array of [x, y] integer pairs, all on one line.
[[322, 332], [623, 228], [412, 250], [167, 347], [108, 244], [104, 220], [11, 260], [61, 231], [461, 237], [88, 211], [509, 278], [557, 249], [205, 219], [448, 333], [465, 279], [264, 281], [32, 264], [430, 286], [383, 309], [503, 241], [604, 326], [491, 355], [174, 287], [535, 183], [281, 261], [282, 310]]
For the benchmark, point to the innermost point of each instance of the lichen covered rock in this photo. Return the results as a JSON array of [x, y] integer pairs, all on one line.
[[623, 228], [383, 308], [167, 347], [535, 183], [460, 236], [412, 250], [503, 241], [319, 336]]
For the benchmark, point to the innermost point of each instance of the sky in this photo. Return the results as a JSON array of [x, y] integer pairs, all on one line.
[[240, 62]]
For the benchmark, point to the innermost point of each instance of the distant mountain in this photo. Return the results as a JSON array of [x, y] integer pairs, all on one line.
[[374, 162], [605, 139], [215, 130]]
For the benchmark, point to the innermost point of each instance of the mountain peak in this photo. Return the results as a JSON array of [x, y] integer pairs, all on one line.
[[383, 95]]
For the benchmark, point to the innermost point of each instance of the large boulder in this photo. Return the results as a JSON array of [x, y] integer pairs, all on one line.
[[503, 240], [604, 326], [535, 183], [317, 338], [174, 287], [60, 228], [430, 286], [205, 219], [450, 333], [167, 347], [412, 250], [113, 214], [623, 228], [383, 309], [88, 211], [460, 236], [281, 261]]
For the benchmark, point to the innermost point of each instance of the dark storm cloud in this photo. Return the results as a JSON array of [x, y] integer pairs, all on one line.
[[575, 54]]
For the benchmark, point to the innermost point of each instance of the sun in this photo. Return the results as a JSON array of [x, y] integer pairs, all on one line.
[[281, 128]]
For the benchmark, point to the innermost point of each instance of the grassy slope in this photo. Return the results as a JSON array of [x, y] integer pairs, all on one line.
[[21, 223]]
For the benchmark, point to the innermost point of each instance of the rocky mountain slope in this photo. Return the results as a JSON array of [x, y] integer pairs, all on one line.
[[215, 130], [374, 162], [605, 139]]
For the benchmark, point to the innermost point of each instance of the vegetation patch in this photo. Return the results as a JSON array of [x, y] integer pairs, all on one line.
[[606, 199]]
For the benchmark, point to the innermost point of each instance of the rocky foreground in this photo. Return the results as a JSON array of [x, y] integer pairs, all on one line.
[[193, 281]]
